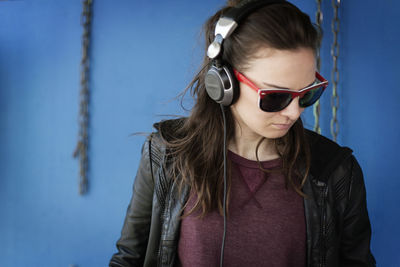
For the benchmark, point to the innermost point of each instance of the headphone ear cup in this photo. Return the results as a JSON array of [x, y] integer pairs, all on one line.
[[222, 85], [234, 83]]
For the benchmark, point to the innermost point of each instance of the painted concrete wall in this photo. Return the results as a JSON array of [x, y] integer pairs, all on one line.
[[144, 53]]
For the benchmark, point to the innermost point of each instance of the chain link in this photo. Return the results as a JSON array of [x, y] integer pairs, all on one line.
[[316, 107], [335, 70], [81, 150]]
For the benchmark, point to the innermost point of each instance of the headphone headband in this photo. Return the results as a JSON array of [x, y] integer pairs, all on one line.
[[229, 21]]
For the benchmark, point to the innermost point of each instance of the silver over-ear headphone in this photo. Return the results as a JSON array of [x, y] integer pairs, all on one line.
[[220, 81]]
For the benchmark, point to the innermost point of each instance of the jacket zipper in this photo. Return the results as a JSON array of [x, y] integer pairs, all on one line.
[[163, 219], [159, 252], [323, 227]]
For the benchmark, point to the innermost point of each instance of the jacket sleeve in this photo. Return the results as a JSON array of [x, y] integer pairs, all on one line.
[[356, 232], [135, 232]]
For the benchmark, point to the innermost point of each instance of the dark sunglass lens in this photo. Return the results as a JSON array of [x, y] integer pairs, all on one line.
[[275, 102], [311, 97]]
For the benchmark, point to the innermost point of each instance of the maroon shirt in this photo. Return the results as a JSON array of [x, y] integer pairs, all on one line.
[[265, 227]]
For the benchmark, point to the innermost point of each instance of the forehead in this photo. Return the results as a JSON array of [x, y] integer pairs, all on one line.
[[285, 68]]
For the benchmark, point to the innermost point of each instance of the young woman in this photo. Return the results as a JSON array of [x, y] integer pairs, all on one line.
[[240, 182]]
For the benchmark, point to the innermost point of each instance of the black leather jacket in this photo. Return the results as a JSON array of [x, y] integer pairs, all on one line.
[[338, 227]]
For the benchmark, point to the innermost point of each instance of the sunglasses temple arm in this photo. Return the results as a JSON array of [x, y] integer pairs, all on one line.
[[244, 80]]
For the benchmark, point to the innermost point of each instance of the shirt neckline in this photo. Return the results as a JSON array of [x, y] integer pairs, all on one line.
[[268, 164]]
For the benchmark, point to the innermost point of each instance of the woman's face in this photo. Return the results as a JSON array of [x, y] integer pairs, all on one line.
[[272, 68]]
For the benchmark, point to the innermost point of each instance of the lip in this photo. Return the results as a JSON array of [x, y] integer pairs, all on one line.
[[282, 126]]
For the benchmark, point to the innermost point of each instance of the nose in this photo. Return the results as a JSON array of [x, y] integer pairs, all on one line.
[[293, 111]]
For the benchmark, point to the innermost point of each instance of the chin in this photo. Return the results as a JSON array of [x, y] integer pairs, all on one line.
[[276, 134]]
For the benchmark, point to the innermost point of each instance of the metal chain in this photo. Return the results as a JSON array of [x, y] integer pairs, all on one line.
[[81, 150], [317, 108], [335, 70]]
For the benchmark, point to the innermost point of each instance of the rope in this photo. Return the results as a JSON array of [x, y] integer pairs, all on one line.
[[316, 107], [335, 70], [82, 147]]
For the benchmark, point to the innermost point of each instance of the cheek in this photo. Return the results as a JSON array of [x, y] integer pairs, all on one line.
[[248, 100]]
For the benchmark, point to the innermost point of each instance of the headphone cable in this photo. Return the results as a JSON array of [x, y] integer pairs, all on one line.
[[225, 193]]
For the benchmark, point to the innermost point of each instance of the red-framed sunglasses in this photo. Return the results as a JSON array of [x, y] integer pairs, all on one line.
[[273, 100]]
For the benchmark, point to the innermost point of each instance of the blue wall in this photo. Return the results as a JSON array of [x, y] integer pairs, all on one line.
[[144, 53]]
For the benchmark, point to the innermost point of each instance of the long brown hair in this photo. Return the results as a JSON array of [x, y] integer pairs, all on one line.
[[196, 146]]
